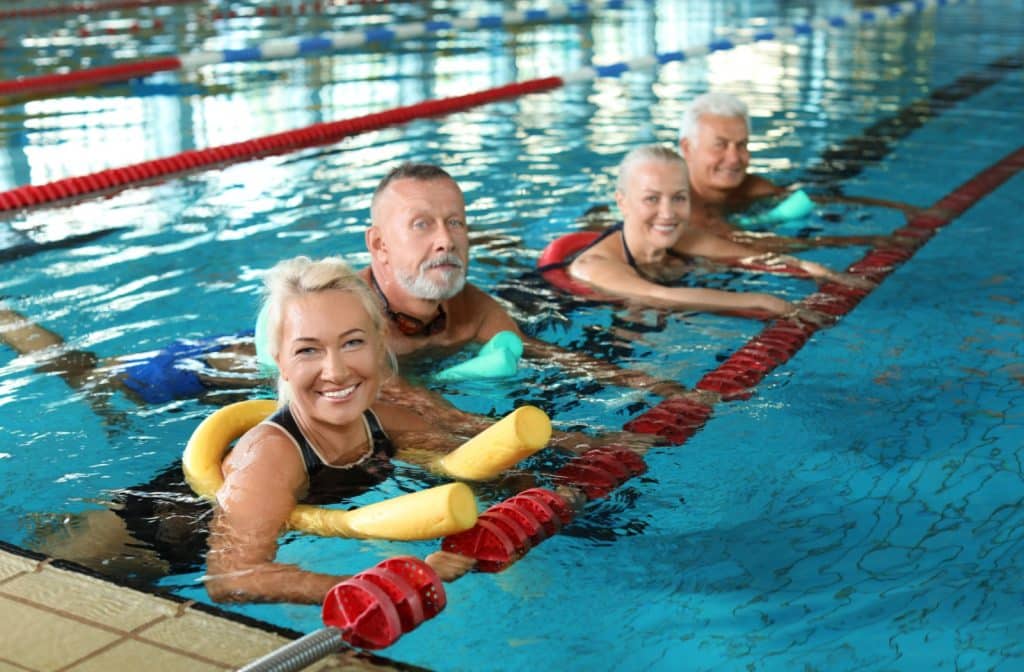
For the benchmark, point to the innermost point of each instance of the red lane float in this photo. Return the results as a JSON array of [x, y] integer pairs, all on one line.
[[600, 470], [88, 77], [506, 531], [675, 419], [88, 7], [378, 605], [310, 136]]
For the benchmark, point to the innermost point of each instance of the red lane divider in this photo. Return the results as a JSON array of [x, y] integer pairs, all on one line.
[[317, 134], [378, 605], [505, 532], [88, 77]]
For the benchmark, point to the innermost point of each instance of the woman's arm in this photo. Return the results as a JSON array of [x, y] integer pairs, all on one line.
[[612, 276], [770, 242], [263, 475], [703, 244]]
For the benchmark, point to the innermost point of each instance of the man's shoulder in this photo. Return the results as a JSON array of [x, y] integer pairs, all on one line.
[[755, 186], [473, 295]]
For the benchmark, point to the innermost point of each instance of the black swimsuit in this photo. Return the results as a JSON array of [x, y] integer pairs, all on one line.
[[615, 228], [168, 517], [329, 483]]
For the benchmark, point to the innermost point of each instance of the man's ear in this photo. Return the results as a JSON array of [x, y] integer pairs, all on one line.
[[684, 147], [619, 197], [375, 243]]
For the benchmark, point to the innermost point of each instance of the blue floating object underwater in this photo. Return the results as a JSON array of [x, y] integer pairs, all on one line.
[[795, 206], [498, 358]]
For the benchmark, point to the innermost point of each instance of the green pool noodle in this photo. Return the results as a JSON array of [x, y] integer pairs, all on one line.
[[498, 358], [795, 206], [267, 365], [504, 340]]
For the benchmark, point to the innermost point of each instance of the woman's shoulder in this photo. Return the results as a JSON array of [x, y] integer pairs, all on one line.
[[266, 444], [604, 248]]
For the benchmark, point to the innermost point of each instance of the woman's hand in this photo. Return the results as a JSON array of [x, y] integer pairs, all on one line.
[[850, 280], [449, 566]]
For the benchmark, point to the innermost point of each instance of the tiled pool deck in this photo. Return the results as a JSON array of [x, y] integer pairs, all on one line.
[[54, 618]]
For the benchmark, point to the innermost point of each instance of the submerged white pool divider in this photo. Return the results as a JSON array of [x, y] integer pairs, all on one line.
[[741, 37], [107, 181], [320, 44], [294, 47]]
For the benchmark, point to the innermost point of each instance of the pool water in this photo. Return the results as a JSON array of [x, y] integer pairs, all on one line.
[[861, 511]]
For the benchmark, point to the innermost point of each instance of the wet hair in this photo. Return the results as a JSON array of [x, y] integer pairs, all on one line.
[[422, 172], [647, 154], [300, 276], [715, 103]]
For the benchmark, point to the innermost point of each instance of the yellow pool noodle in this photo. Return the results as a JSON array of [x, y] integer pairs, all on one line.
[[437, 512], [518, 435], [212, 438], [428, 514]]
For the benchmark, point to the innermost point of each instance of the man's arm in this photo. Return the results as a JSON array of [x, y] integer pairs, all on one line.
[[495, 318], [600, 370]]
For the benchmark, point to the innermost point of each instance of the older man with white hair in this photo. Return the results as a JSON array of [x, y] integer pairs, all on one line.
[[714, 137]]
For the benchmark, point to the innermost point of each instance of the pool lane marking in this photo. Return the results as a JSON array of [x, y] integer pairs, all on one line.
[[111, 180], [679, 418]]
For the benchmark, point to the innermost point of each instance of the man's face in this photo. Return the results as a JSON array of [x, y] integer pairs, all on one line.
[[421, 236], [719, 158]]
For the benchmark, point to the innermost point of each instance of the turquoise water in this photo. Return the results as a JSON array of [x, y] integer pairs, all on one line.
[[860, 512]]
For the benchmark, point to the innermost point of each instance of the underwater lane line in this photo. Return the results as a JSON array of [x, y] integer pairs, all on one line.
[[849, 158]]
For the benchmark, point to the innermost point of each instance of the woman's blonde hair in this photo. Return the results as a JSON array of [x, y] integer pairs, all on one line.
[[647, 154], [299, 276]]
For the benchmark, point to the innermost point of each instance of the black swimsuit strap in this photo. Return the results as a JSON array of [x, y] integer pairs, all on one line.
[[632, 262], [630, 259], [381, 442]]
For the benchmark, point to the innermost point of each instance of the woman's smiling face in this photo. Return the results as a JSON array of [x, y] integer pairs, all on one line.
[[656, 199], [331, 356]]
